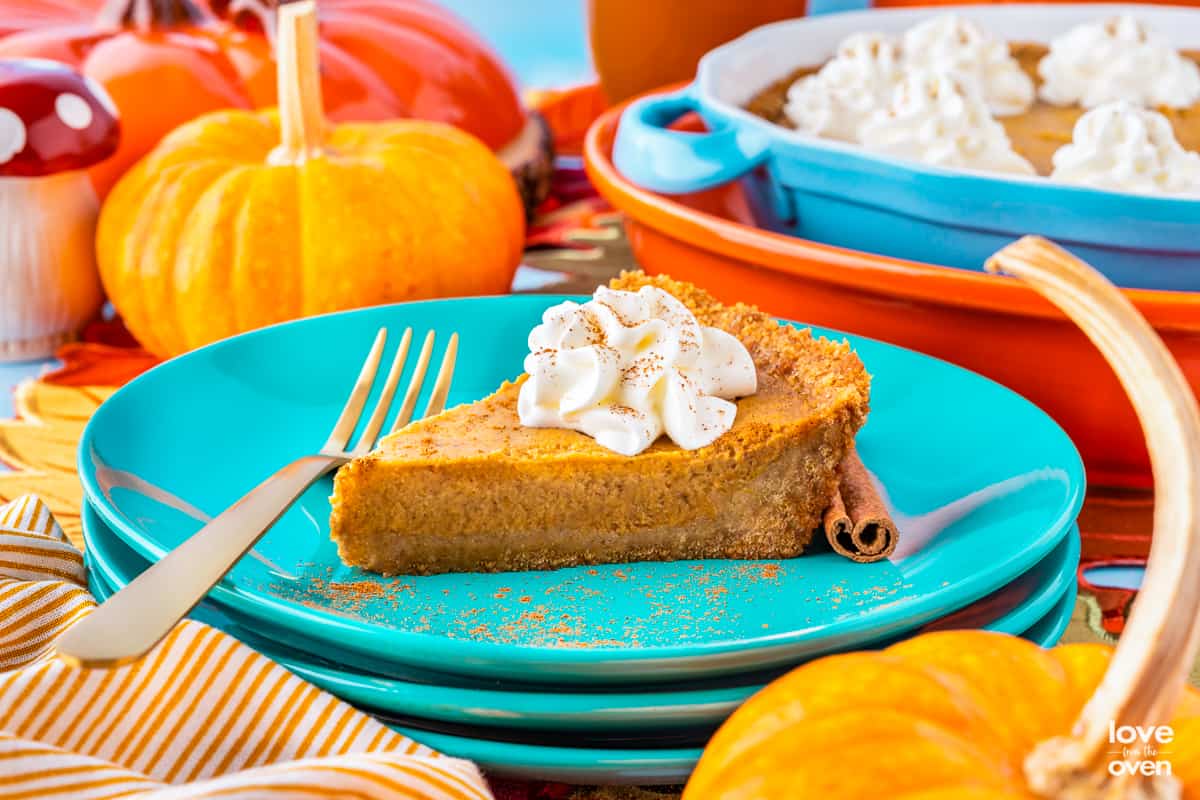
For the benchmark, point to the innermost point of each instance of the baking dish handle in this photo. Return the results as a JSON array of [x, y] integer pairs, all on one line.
[[677, 162]]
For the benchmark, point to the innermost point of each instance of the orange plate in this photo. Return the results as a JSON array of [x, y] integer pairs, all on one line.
[[993, 325]]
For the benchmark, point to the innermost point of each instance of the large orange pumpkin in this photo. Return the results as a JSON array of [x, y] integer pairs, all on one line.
[[971, 715], [165, 62], [222, 228]]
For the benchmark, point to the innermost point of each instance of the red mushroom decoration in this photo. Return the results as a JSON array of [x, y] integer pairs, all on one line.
[[54, 124]]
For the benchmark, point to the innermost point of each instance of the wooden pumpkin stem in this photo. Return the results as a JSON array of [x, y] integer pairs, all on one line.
[[1149, 668], [298, 76], [149, 14]]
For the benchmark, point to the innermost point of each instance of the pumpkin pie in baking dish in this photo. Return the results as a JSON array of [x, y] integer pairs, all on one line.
[[1109, 103], [566, 465]]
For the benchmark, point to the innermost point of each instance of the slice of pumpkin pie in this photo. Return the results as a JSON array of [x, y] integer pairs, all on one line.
[[653, 423]]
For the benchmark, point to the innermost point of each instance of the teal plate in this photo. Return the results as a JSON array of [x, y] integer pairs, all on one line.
[[647, 766], [983, 483], [1012, 609], [512, 756], [643, 767]]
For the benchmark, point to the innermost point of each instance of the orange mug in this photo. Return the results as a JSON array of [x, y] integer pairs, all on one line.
[[638, 45]]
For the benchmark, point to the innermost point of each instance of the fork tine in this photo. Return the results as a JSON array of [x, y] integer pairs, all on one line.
[[358, 396], [366, 439], [441, 387], [414, 384]]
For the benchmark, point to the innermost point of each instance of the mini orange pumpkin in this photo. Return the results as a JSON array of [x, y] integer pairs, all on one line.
[[952, 711], [222, 228], [971, 715]]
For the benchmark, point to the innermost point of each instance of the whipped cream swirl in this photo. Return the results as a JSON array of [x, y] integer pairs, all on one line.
[[626, 367], [1120, 146], [842, 95], [950, 43], [1116, 59], [938, 118]]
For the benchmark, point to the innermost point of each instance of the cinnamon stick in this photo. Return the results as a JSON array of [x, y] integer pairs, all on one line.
[[857, 524]]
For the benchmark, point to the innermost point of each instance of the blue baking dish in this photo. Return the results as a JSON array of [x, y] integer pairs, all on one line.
[[843, 195]]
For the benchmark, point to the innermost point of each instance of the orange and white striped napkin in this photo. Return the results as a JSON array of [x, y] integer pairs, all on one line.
[[202, 715]]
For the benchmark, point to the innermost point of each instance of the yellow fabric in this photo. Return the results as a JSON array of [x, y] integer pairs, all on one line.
[[201, 716], [41, 447]]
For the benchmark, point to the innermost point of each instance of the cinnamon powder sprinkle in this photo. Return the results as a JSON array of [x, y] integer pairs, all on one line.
[[362, 599], [616, 606]]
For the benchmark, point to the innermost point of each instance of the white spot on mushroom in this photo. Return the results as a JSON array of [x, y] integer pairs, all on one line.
[[73, 110], [12, 135]]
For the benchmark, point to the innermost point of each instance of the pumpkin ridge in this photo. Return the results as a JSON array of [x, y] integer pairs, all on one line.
[[433, 23], [489, 278], [130, 199], [420, 204], [965, 793], [373, 56], [461, 145], [464, 255], [269, 277], [442, 233], [379, 99], [235, 135], [112, 237], [1017, 681], [887, 744], [204, 245], [137, 308], [163, 234], [308, 254], [876, 680], [239, 282]]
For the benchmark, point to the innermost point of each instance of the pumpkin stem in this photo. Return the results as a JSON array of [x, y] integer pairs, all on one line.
[[298, 78], [1147, 674], [149, 14]]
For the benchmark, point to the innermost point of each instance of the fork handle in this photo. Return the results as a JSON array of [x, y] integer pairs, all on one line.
[[138, 616]]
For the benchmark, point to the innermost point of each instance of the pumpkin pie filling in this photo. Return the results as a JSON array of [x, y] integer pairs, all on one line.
[[1035, 134], [472, 489]]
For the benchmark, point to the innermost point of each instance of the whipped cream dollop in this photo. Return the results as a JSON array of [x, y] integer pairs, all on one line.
[[949, 43], [836, 100], [626, 367], [1115, 59], [1123, 147], [939, 118]]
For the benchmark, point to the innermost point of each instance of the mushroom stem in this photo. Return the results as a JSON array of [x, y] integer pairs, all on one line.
[[298, 78], [149, 14], [1147, 673], [49, 286]]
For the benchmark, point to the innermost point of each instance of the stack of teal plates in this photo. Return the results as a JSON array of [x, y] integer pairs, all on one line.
[[611, 673]]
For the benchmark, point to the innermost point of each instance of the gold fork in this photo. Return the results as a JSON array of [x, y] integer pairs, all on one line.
[[138, 616]]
